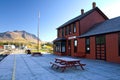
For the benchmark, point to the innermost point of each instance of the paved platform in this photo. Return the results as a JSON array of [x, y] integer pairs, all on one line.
[[27, 67]]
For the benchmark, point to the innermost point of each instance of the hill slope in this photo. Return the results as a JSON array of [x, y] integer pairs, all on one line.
[[18, 36]]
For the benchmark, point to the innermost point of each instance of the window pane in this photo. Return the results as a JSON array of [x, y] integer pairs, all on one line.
[[88, 45], [75, 43], [67, 29], [87, 41], [58, 47], [63, 46], [75, 46], [74, 30], [58, 31], [97, 40], [102, 39], [70, 29], [62, 32]]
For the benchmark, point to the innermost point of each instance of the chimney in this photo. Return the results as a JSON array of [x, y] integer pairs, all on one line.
[[93, 5], [82, 11]]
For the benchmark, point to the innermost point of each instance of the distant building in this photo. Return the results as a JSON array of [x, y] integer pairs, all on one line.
[[1, 47], [9, 47], [90, 35]]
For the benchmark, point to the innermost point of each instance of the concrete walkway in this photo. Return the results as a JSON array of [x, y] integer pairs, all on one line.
[[27, 67]]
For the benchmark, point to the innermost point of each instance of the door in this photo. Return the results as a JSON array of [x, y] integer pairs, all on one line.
[[69, 47], [100, 48]]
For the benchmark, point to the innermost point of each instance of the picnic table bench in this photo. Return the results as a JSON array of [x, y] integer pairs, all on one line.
[[57, 66], [36, 54], [64, 63]]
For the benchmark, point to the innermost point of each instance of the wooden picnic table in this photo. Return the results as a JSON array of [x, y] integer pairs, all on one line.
[[65, 62]]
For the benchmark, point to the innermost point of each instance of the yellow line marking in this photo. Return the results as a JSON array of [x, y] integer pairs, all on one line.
[[14, 68]]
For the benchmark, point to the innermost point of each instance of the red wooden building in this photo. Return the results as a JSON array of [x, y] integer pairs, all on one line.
[[90, 35]]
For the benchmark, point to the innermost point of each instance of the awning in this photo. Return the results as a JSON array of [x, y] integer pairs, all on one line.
[[59, 39]]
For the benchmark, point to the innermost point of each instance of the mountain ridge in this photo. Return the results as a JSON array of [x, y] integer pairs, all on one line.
[[18, 36]]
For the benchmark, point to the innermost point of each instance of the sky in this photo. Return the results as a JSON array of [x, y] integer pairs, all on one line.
[[23, 14]]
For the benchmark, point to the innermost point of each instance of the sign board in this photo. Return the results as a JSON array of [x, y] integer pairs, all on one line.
[[72, 37]]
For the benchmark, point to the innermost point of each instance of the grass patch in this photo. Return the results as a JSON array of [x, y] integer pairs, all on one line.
[[42, 50]]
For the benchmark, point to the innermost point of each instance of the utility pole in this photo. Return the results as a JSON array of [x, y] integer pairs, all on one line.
[[38, 30]]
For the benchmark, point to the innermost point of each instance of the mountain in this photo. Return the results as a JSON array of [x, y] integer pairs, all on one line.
[[18, 36]]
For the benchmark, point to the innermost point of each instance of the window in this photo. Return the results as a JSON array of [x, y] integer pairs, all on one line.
[[62, 32], [70, 29], [87, 45], [60, 46], [65, 30], [75, 46], [63, 47], [100, 40], [58, 32], [74, 27]]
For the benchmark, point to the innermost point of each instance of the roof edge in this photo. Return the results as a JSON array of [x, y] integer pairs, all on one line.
[[85, 14]]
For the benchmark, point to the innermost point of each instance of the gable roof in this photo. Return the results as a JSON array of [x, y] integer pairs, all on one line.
[[82, 16], [108, 26]]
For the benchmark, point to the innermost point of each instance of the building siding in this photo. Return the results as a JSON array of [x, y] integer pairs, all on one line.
[[81, 47], [77, 30], [112, 48], [90, 20], [92, 49]]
